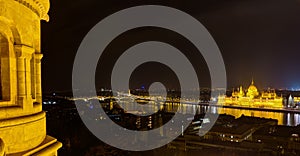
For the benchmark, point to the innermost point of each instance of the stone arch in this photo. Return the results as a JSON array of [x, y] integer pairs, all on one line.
[[10, 30], [9, 37], [4, 50]]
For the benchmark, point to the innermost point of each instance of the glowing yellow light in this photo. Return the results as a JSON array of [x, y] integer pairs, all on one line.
[[22, 121], [252, 99]]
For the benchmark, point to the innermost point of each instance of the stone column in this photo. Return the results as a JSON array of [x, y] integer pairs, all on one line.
[[38, 77], [33, 77], [28, 77], [24, 54], [21, 94]]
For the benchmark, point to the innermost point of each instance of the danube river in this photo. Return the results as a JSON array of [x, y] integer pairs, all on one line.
[[284, 118]]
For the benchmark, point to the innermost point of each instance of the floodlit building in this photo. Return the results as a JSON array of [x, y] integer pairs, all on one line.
[[291, 101], [22, 121], [252, 98]]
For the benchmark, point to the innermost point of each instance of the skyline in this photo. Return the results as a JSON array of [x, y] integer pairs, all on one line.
[[158, 85], [257, 39]]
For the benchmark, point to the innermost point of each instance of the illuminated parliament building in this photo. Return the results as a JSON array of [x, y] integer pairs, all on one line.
[[22, 120], [252, 98]]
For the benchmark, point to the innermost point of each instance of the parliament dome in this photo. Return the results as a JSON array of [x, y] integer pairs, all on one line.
[[252, 90]]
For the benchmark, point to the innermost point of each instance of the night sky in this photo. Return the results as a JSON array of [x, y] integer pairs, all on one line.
[[257, 38]]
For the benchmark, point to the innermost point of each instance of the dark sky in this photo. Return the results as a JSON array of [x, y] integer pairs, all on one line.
[[257, 38]]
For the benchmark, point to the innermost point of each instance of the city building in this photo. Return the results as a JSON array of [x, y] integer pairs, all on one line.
[[252, 98], [22, 120], [228, 132], [237, 130], [283, 138]]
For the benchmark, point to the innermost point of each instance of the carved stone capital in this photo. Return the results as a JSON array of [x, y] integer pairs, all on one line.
[[24, 51], [38, 57]]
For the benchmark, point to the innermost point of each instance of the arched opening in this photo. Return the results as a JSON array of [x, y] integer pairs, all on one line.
[[9, 38], [4, 69]]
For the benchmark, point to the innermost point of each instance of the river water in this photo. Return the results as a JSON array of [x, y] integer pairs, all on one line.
[[284, 118]]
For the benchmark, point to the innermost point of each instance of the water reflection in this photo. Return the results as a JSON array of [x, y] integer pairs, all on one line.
[[284, 118], [287, 119]]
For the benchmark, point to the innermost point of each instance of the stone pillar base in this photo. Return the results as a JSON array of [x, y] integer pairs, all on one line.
[[48, 147]]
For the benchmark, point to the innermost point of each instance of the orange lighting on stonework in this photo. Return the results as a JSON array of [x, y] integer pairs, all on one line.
[[252, 98], [22, 120]]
